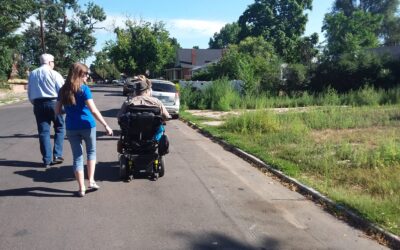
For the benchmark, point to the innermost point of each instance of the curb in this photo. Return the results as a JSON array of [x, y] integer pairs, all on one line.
[[371, 229]]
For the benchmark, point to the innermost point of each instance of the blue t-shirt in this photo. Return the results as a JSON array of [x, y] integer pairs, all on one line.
[[79, 116]]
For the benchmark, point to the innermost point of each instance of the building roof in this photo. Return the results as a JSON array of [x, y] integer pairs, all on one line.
[[197, 57], [200, 67]]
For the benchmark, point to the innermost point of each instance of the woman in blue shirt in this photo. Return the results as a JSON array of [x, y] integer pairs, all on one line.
[[80, 111]]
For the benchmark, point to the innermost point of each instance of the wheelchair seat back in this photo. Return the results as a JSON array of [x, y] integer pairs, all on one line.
[[140, 123]]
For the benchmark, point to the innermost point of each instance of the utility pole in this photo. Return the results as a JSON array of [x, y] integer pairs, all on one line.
[[42, 29]]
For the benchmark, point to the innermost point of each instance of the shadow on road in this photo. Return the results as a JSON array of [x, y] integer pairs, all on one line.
[[107, 171], [25, 136], [102, 136], [18, 136], [216, 240], [25, 164], [38, 192], [110, 113], [116, 132], [51, 175]]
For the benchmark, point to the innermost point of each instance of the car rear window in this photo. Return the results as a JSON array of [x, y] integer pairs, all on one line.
[[162, 87]]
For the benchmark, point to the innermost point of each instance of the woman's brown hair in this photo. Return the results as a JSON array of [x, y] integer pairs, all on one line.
[[73, 83]]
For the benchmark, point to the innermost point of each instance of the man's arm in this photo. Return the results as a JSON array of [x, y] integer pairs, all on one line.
[[164, 112]]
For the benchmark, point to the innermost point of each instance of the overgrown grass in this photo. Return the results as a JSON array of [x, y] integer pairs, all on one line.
[[221, 96], [351, 154]]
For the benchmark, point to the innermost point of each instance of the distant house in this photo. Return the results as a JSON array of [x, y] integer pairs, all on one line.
[[392, 51], [189, 60]]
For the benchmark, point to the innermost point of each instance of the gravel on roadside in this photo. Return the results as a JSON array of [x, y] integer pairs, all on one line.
[[8, 97]]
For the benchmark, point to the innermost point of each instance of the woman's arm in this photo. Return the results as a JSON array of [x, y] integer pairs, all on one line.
[[96, 113]]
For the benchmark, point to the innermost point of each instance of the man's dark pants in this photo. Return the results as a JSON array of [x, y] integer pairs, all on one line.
[[44, 110]]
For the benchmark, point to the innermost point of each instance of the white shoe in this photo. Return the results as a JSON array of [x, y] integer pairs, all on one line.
[[93, 185]]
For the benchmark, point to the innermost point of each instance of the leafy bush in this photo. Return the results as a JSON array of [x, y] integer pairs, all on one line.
[[353, 71], [256, 122], [253, 61], [5, 61], [191, 98], [296, 76], [329, 97], [220, 95], [391, 96], [365, 96]]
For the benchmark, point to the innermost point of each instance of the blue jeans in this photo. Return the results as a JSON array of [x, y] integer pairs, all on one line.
[[45, 115], [75, 138]]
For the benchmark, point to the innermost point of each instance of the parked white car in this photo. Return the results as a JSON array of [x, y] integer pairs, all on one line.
[[167, 93], [119, 82]]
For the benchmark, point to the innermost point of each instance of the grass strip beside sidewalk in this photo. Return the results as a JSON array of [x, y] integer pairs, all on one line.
[[351, 155]]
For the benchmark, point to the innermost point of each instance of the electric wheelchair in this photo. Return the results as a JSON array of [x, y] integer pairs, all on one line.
[[140, 153]]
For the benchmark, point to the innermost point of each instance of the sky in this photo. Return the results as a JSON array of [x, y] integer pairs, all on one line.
[[191, 22]]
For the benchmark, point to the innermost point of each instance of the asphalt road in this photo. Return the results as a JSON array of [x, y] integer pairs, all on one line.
[[208, 198]]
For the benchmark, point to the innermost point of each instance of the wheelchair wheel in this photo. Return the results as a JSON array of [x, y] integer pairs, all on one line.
[[154, 176], [123, 167], [161, 168]]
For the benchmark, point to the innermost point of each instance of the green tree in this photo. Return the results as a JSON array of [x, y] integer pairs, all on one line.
[[227, 35], [104, 67], [281, 22], [306, 49], [253, 61], [349, 34], [12, 14], [143, 48], [68, 32], [383, 7], [388, 9], [6, 57], [352, 71]]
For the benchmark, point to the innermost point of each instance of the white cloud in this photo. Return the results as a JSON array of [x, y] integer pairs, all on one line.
[[197, 28], [181, 29], [26, 25], [110, 24]]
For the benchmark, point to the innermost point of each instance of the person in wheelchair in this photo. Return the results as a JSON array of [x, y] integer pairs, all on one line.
[[141, 96], [141, 112]]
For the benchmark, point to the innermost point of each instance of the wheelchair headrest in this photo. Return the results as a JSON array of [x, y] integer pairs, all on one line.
[[140, 109]]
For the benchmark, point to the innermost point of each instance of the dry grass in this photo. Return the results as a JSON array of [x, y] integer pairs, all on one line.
[[368, 137]]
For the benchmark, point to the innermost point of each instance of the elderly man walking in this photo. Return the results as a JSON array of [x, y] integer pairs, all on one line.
[[43, 86]]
